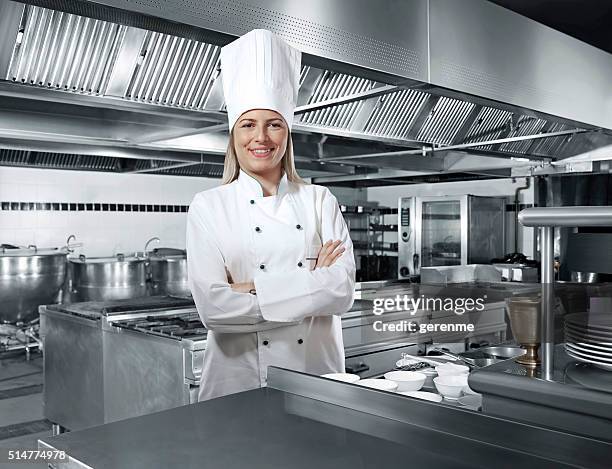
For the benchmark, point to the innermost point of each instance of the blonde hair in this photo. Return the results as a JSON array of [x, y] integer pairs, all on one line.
[[231, 167]]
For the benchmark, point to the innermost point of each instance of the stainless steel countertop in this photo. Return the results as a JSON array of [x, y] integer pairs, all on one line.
[[591, 396], [96, 309], [267, 428]]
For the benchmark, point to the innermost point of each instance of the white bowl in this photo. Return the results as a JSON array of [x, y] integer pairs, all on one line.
[[381, 384], [345, 377], [448, 369], [407, 380], [451, 387], [428, 396]]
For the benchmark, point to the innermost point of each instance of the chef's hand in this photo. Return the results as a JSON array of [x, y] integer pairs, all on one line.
[[245, 287], [329, 253]]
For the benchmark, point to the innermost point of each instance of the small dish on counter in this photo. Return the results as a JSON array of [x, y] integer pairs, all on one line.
[[344, 377], [427, 396], [380, 384], [407, 380], [429, 372], [452, 386]]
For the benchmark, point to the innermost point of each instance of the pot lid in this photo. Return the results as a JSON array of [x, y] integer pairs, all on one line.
[[164, 252], [10, 250], [82, 259]]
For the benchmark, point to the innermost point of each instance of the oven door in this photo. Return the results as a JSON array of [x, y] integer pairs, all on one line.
[[441, 230]]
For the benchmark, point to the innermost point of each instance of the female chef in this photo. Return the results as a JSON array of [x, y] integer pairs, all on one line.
[[270, 259]]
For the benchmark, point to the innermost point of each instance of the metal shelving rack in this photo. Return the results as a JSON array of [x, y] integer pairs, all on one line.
[[369, 222]]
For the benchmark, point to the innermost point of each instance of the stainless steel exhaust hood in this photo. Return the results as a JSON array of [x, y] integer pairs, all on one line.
[[409, 88]]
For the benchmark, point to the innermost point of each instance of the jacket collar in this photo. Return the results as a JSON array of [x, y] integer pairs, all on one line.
[[252, 188]]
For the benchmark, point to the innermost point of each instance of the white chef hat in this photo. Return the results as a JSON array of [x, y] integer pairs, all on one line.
[[260, 71]]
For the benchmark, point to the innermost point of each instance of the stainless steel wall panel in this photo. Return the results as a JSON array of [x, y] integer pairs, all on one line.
[[171, 71], [363, 44], [553, 146], [10, 16], [57, 160], [159, 57], [179, 69], [309, 78], [83, 356], [127, 60], [195, 58], [158, 365], [490, 124], [394, 114], [64, 26], [335, 85], [33, 36], [111, 48], [58, 50], [14, 157], [100, 30], [576, 144], [343, 115], [323, 89], [174, 72], [162, 76], [208, 67], [88, 48], [43, 47], [397, 112], [402, 111], [387, 36], [201, 170], [526, 125], [482, 49], [399, 126], [444, 121]]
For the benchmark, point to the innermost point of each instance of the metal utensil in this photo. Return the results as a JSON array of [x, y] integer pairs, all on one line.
[[419, 366], [422, 359], [471, 362], [500, 352], [468, 361]]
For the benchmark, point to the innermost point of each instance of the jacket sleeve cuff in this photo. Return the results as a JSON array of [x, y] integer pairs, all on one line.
[[284, 297]]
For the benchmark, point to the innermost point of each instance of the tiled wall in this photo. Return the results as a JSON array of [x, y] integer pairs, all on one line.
[[108, 213]]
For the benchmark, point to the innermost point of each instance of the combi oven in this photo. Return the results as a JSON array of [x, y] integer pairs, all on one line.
[[449, 230]]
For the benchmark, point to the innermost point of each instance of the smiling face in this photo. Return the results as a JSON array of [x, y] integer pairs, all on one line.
[[260, 141]]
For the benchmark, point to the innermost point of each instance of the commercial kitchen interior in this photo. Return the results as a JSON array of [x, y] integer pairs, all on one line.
[[434, 122]]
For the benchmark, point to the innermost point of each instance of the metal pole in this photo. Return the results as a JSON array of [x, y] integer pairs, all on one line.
[[566, 216], [547, 348]]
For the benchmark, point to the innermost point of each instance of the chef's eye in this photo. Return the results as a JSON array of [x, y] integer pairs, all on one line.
[[276, 125], [247, 124]]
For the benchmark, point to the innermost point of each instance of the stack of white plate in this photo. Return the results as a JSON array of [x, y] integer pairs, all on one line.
[[588, 338]]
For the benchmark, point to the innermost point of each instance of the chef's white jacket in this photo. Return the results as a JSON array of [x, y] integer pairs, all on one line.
[[235, 235]]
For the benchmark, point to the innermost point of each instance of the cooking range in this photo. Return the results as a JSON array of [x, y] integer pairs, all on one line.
[[129, 357], [185, 325]]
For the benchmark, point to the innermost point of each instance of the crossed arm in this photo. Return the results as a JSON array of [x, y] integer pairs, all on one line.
[[328, 254], [281, 298]]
